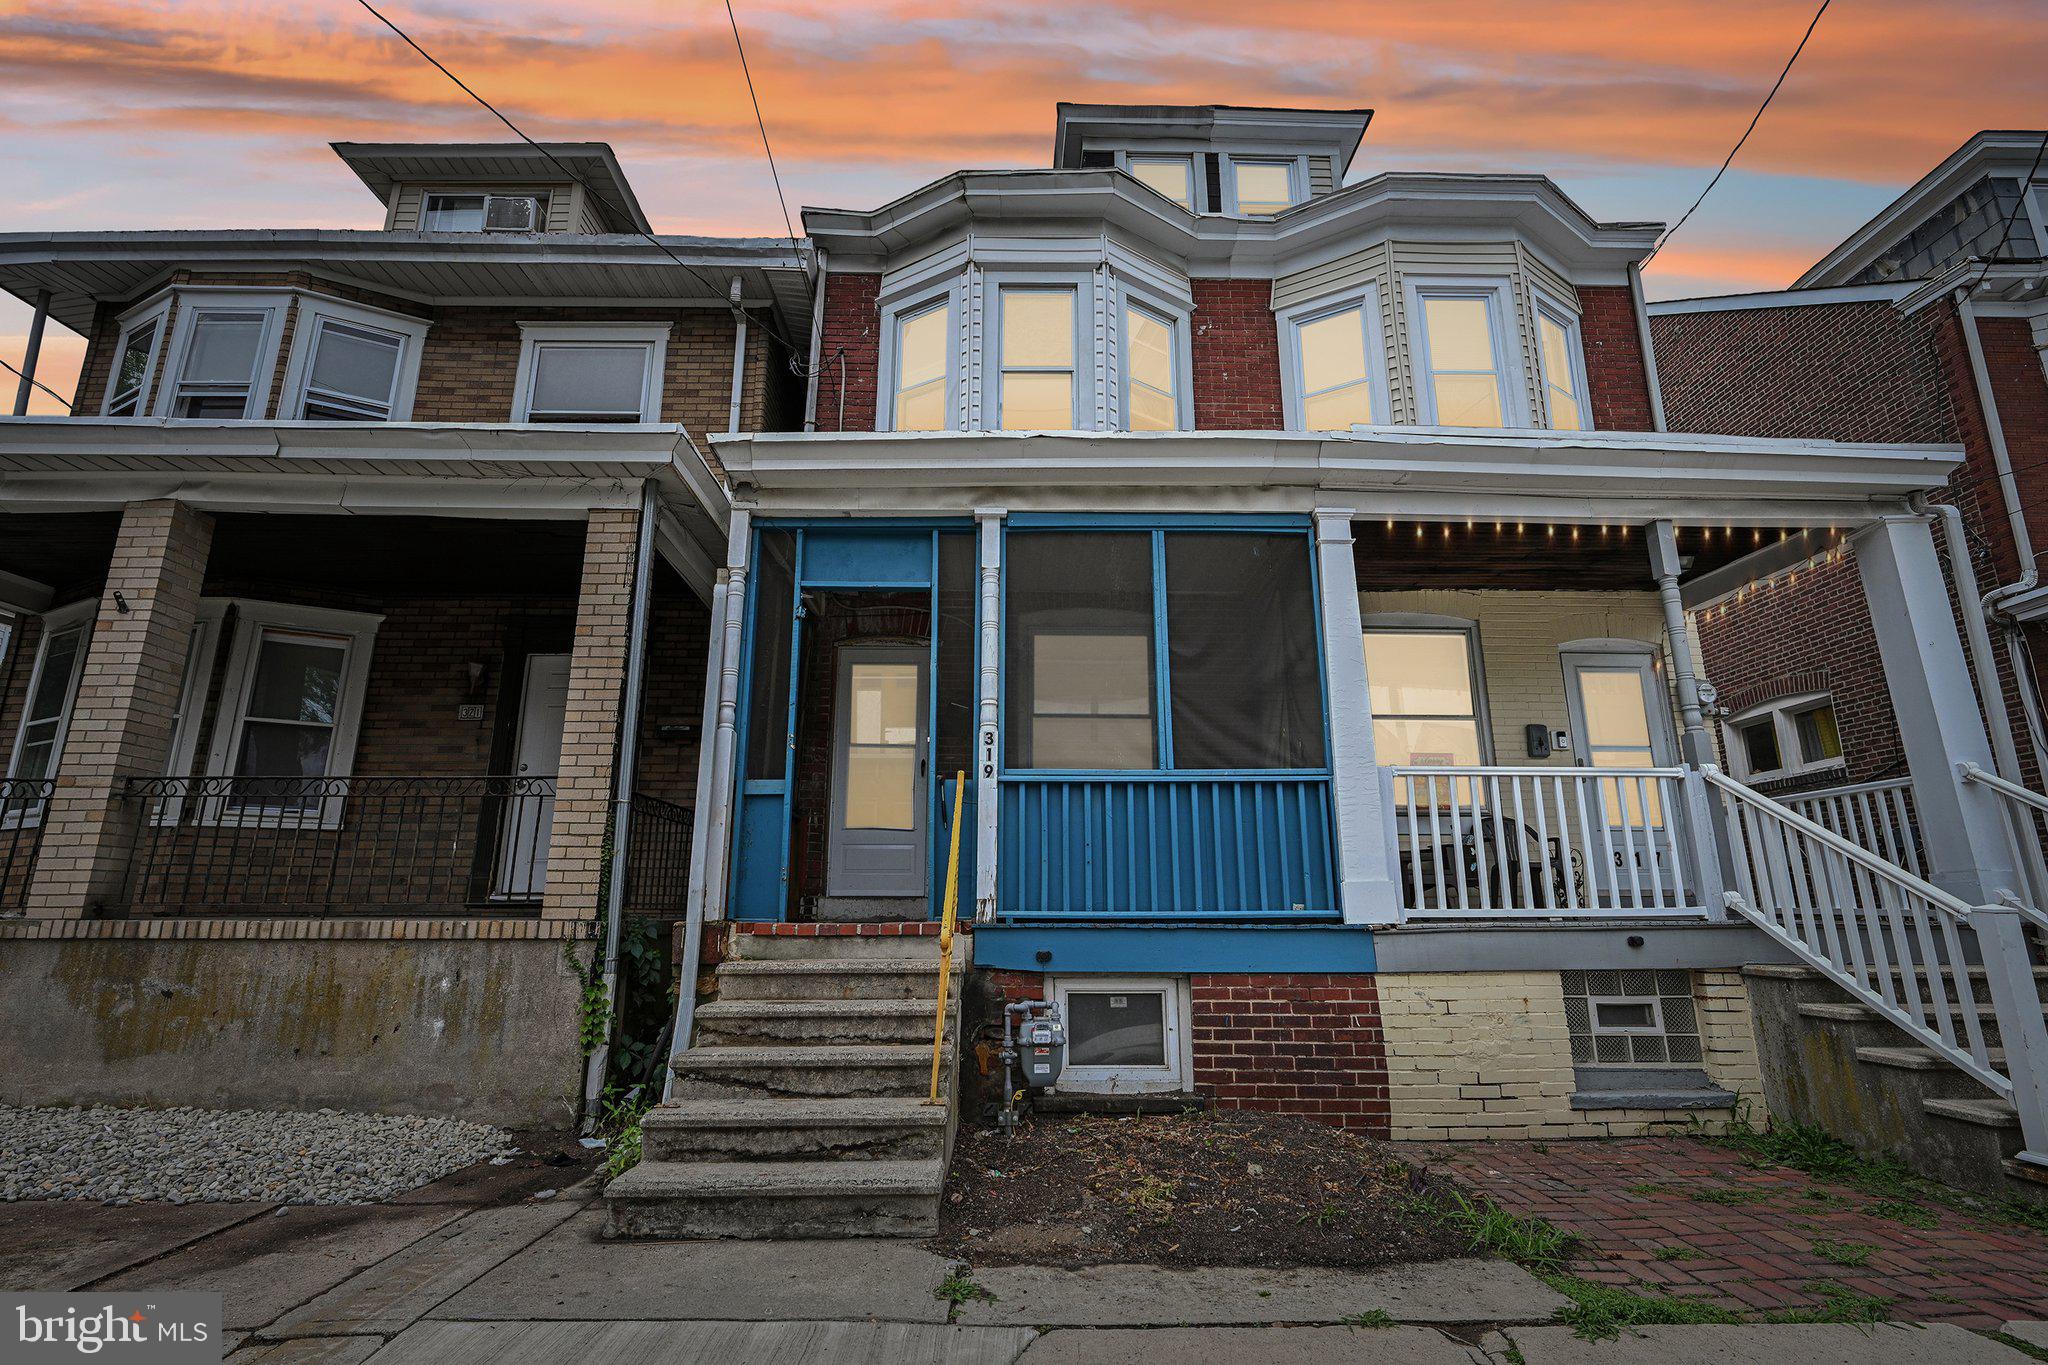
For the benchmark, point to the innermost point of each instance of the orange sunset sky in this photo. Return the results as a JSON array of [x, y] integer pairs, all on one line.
[[194, 113]]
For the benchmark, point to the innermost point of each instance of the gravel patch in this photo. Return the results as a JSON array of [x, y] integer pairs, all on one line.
[[191, 1156]]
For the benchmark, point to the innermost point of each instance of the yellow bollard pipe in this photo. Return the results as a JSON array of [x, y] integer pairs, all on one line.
[[947, 915]]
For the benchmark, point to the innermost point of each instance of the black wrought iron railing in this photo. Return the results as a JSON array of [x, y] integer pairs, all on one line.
[[24, 801], [339, 845], [658, 857]]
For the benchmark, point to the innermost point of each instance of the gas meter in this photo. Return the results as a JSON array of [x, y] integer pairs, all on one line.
[[1042, 1049]]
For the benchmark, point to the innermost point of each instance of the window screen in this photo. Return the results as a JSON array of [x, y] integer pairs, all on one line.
[[1242, 651], [354, 373], [1078, 646], [768, 694], [574, 382], [953, 724], [220, 364], [453, 213]]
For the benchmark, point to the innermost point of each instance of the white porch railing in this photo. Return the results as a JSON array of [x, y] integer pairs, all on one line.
[[1875, 816], [1920, 957], [1539, 841], [2024, 811]]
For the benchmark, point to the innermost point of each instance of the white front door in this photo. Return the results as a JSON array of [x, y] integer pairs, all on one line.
[[1620, 720], [530, 804], [877, 840]]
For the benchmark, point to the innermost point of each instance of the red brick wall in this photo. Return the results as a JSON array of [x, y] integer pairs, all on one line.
[[1618, 385], [1235, 356], [1306, 1043], [849, 351]]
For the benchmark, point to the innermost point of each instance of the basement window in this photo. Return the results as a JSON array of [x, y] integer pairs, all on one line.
[[1125, 1035], [1631, 1018], [1790, 737]]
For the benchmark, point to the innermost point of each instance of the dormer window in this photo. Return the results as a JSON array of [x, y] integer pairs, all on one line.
[[1263, 186], [1172, 176], [590, 373], [1036, 360], [452, 213]]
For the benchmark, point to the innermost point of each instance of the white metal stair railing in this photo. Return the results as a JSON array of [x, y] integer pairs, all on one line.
[[1896, 943], [1877, 816], [2023, 810]]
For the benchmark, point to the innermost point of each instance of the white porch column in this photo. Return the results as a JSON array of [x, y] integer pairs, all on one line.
[[724, 741], [1370, 891], [1962, 829], [989, 522]]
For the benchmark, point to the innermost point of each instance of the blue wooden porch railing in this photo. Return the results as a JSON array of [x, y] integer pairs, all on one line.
[[1166, 845]]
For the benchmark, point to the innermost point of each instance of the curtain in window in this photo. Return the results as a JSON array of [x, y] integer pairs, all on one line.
[[1241, 651]]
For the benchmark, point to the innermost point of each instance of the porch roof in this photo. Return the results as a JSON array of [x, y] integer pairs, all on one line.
[[497, 470], [1408, 471]]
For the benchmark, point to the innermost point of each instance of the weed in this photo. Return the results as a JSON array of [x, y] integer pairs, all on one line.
[[1649, 1189], [1904, 1211], [1514, 1355], [1838, 1303], [1529, 1242], [1728, 1197], [2025, 1348], [959, 1289], [1675, 1254], [618, 1123], [1598, 1312], [1371, 1317], [1153, 1194], [1842, 1253], [1326, 1217]]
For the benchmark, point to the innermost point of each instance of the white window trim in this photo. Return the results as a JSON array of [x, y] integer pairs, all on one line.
[[1575, 346], [155, 311], [315, 309], [192, 698], [1086, 367], [1417, 623], [654, 336], [1509, 369], [1178, 322], [893, 317], [1781, 713], [252, 619], [1291, 320], [1596, 1029], [1297, 178], [53, 622], [1197, 176], [1175, 1077], [193, 302]]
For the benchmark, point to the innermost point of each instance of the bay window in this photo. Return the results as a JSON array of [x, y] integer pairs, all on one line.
[[1334, 360], [1461, 366], [351, 364], [135, 356], [1036, 387], [1564, 370], [222, 355], [590, 373], [1220, 623], [922, 381], [1151, 370]]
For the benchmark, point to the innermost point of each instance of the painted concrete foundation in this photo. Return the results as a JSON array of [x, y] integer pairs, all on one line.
[[420, 1022]]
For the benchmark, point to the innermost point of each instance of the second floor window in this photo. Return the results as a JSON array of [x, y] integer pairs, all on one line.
[[1564, 376], [134, 362], [1334, 355], [924, 349], [222, 368], [1460, 378], [1036, 388], [1150, 371], [573, 373]]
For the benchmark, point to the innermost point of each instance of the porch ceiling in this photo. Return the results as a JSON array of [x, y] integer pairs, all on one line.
[[1400, 554]]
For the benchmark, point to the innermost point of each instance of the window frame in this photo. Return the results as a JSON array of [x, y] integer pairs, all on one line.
[[894, 316], [83, 617], [1177, 1076], [254, 622], [1197, 186], [154, 312], [316, 311], [1546, 307], [196, 303], [534, 336], [1427, 623], [428, 196], [1366, 299], [1297, 179], [1783, 713], [1179, 326], [1509, 371], [1081, 290]]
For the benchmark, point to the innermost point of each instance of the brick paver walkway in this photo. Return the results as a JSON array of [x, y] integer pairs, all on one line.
[[1686, 1217]]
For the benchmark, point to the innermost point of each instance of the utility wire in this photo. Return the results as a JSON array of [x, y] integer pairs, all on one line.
[[788, 225], [1754, 119], [650, 238], [2026, 183], [39, 384]]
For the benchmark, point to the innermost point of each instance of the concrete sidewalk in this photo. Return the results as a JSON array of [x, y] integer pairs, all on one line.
[[496, 1275]]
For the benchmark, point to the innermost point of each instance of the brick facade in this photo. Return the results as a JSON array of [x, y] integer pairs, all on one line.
[[1617, 384], [1235, 357], [849, 353]]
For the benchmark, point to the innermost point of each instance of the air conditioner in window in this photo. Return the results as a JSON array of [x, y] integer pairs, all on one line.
[[511, 213]]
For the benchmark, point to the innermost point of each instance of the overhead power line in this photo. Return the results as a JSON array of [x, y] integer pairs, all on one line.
[[788, 225], [39, 384], [1753, 121], [520, 133]]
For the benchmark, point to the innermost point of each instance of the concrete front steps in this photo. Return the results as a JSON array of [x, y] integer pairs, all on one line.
[[799, 1111], [1843, 1065]]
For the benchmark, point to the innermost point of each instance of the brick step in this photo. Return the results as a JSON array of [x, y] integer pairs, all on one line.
[[831, 979], [893, 1069], [780, 1199], [795, 1130], [766, 1023]]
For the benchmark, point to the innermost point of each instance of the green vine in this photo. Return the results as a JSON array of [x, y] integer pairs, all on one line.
[[593, 1019]]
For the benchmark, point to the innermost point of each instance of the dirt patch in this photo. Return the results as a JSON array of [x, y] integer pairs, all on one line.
[[1219, 1189]]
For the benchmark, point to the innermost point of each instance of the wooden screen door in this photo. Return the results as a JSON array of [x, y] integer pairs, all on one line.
[[1621, 721], [876, 846], [530, 806]]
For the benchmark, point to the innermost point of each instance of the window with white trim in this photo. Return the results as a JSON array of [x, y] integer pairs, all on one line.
[[1562, 359], [52, 687], [1171, 175], [1461, 361], [135, 354], [1335, 365], [452, 213], [1037, 388], [1786, 738], [1262, 186], [1427, 700], [222, 355], [596, 373], [922, 377], [1124, 1034], [351, 364], [1636, 1017], [1151, 356]]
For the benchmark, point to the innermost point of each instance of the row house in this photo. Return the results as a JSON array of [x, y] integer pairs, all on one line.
[[1252, 585], [326, 600]]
